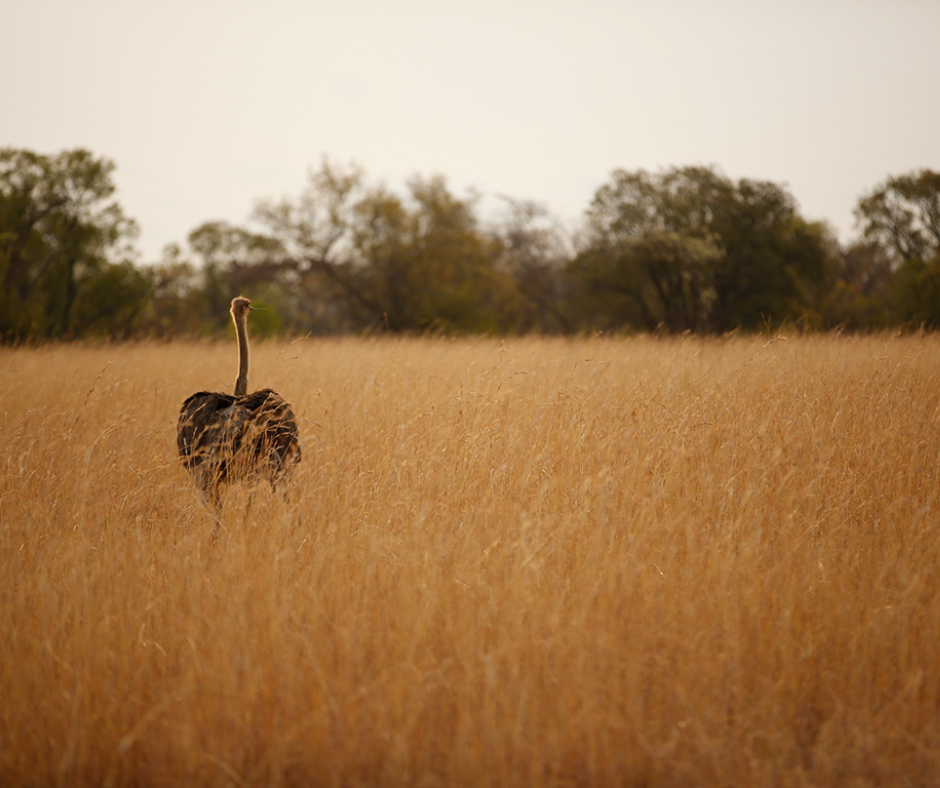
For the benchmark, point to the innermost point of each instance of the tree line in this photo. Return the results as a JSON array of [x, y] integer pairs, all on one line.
[[683, 249]]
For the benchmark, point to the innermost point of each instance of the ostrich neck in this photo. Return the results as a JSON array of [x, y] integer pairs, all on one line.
[[241, 334]]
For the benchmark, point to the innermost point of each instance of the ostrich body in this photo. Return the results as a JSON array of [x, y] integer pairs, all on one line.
[[224, 437]]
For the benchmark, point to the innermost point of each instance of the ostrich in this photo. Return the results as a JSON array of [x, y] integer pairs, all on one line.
[[224, 438]]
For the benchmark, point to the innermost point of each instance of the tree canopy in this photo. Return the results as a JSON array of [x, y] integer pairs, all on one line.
[[903, 215], [60, 229], [901, 219], [682, 249], [689, 249]]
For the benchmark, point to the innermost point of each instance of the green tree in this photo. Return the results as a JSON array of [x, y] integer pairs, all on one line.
[[916, 293], [59, 225], [773, 259], [404, 264], [455, 283], [857, 291], [689, 249], [226, 252], [318, 233], [177, 299], [114, 302], [534, 250], [902, 217]]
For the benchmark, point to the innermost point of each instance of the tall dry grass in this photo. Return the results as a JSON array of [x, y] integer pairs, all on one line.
[[544, 562]]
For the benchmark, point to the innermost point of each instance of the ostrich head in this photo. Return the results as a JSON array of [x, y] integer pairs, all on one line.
[[240, 307]]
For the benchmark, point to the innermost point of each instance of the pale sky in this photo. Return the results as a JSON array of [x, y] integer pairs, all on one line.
[[207, 106]]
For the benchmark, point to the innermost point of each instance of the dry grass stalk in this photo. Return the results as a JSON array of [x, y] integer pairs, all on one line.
[[544, 562]]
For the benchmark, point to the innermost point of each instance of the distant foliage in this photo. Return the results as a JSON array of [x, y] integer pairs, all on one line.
[[683, 249], [901, 217], [64, 241], [690, 250]]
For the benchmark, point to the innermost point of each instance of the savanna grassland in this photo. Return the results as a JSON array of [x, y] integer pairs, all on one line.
[[533, 562]]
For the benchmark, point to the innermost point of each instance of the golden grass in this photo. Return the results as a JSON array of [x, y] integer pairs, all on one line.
[[540, 562]]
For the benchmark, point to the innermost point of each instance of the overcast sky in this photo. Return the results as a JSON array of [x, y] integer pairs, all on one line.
[[208, 105]]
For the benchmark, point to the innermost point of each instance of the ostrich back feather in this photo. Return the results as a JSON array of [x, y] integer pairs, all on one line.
[[224, 438]]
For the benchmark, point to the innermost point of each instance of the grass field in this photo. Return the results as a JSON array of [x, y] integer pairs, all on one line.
[[539, 562]]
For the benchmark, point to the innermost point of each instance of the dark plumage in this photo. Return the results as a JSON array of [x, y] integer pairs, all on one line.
[[224, 437]]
